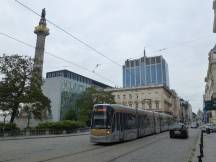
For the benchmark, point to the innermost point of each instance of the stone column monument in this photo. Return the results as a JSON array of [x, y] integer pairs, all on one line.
[[42, 31], [214, 8]]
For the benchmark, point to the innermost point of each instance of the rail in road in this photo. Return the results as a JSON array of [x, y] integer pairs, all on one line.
[[105, 148], [78, 149]]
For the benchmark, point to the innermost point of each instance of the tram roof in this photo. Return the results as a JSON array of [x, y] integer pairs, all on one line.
[[121, 107]]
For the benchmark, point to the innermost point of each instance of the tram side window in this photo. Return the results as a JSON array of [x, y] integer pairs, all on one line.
[[113, 123], [118, 121], [131, 121], [124, 121], [142, 121], [147, 121], [152, 120]]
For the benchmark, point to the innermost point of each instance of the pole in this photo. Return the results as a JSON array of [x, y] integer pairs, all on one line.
[[214, 23]]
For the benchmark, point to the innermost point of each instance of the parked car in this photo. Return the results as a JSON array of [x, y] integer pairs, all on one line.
[[179, 130], [194, 125], [214, 128], [209, 128], [203, 128]]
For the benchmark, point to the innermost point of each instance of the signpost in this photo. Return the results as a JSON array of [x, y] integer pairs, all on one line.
[[210, 105]]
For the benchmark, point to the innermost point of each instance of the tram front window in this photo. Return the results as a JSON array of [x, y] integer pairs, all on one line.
[[101, 118]]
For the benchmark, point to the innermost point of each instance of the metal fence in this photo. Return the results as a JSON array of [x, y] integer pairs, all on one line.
[[38, 132]]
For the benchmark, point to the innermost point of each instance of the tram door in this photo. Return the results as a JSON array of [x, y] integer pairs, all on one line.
[[121, 132]]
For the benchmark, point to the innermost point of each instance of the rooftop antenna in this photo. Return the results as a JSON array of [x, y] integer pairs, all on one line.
[[144, 52]]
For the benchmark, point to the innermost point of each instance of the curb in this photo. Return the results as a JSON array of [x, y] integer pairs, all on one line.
[[193, 152], [35, 137]]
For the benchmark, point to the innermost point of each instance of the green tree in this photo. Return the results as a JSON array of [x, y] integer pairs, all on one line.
[[86, 101], [16, 89], [71, 114]]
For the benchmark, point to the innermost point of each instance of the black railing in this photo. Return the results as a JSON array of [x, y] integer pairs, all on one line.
[[38, 132]]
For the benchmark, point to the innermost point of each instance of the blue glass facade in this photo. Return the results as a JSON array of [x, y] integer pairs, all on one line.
[[145, 71]]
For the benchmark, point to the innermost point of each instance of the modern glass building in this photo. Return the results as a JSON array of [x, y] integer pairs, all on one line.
[[146, 71], [63, 87]]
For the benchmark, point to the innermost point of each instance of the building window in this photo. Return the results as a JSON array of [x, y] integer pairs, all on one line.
[[143, 105], [150, 104], [124, 96], [136, 105], [130, 96], [130, 104], [157, 105], [118, 96]]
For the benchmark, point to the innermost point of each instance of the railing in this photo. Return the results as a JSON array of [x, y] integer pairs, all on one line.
[[38, 132]]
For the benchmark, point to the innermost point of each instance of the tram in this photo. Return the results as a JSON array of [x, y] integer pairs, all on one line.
[[116, 123]]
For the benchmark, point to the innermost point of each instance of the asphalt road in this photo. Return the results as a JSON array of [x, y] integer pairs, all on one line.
[[156, 148]]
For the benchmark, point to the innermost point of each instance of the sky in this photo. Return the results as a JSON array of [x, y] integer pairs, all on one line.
[[120, 30]]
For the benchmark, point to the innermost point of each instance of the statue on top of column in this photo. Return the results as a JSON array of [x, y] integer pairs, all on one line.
[[43, 14]]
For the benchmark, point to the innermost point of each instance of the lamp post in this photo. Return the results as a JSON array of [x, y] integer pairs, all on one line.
[[5, 115]]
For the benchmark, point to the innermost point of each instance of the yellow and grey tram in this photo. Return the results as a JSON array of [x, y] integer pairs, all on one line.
[[115, 123]]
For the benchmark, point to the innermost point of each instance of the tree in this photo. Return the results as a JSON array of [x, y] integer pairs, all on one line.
[[16, 89], [86, 101]]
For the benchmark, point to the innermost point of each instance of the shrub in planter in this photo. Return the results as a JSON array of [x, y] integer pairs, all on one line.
[[62, 125]]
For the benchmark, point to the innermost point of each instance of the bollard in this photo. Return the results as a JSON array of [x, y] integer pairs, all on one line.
[[201, 139], [199, 158], [201, 150]]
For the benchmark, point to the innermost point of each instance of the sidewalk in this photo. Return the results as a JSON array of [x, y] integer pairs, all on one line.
[[209, 148], [42, 136]]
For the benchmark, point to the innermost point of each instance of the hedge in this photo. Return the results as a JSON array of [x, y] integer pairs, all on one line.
[[62, 125], [8, 126]]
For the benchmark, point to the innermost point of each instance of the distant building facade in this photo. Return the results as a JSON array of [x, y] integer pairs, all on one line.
[[62, 88], [210, 88], [146, 71], [186, 111], [156, 98]]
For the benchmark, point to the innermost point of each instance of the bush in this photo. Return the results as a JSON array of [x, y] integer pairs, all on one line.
[[8, 126], [62, 125]]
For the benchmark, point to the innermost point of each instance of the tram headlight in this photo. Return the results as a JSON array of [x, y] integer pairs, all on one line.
[[108, 132]]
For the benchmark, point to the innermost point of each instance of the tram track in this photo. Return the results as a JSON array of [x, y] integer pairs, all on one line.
[[103, 150], [70, 154], [134, 150]]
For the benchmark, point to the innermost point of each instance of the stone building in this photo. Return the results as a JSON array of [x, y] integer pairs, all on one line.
[[156, 98], [186, 114], [210, 88]]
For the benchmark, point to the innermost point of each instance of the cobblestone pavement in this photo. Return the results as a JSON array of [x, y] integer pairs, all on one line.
[[156, 148]]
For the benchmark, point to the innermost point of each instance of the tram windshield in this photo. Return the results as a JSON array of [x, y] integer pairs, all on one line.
[[102, 116]]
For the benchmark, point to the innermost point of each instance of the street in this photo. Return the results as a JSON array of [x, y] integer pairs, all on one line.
[[155, 148]]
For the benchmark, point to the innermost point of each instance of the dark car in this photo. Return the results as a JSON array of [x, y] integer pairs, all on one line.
[[194, 125], [179, 130], [209, 128]]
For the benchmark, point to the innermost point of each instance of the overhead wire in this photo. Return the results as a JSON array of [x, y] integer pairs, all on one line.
[[70, 34], [86, 43], [57, 57]]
